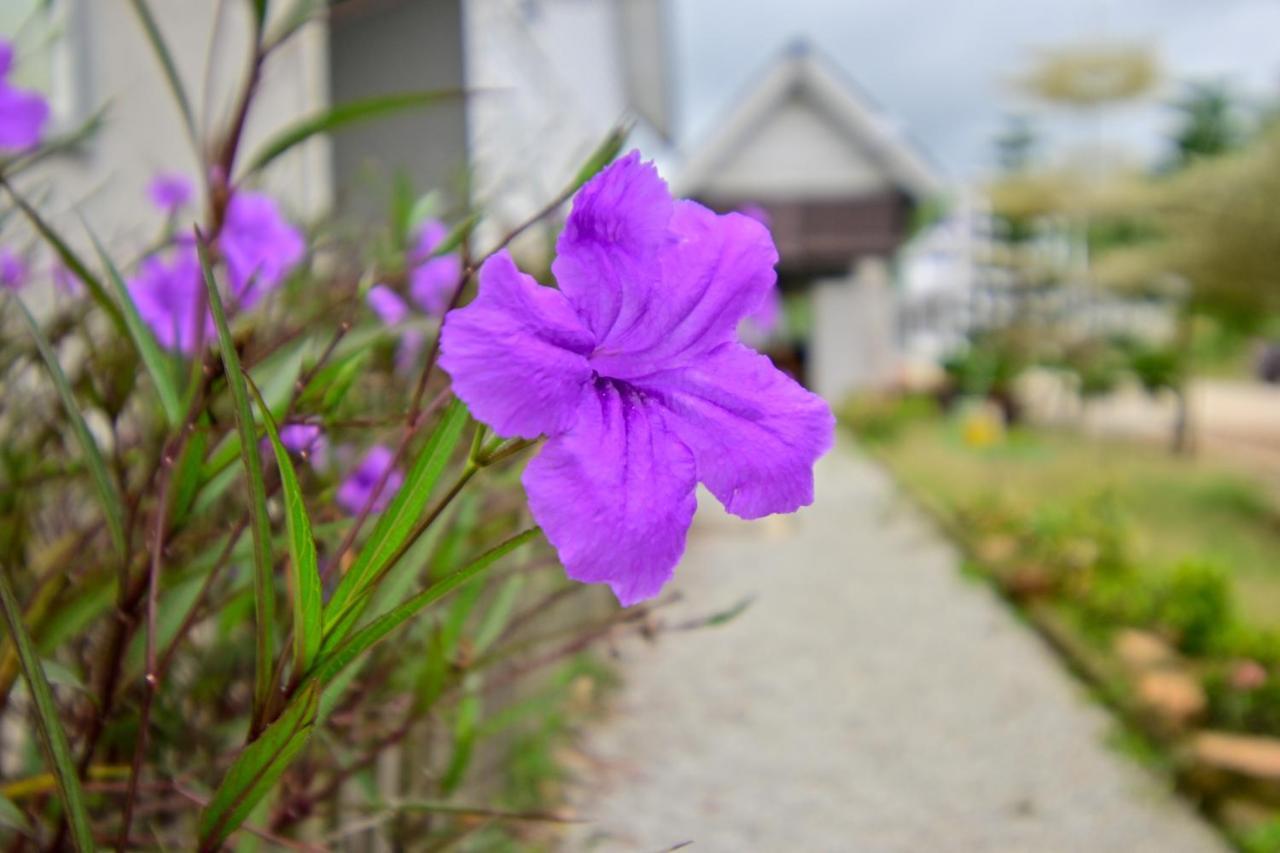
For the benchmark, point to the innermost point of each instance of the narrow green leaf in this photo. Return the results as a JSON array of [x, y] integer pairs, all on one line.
[[294, 20], [456, 235], [108, 494], [152, 358], [368, 636], [186, 475], [395, 524], [13, 817], [308, 607], [49, 728], [263, 577], [497, 614], [69, 258], [343, 115], [724, 617], [148, 21], [257, 768], [604, 154], [464, 739]]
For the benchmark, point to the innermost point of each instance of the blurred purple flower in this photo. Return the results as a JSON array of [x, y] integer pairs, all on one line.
[[260, 247], [633, 370], [170, 192], [387, 304], [359, 486], [64, 279], [13, 270], [432, 280], [308, 441], [409, 349], [169, 295], [23, 114]]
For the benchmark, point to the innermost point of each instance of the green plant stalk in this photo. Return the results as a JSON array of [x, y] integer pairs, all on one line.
[[49, 728], [263, 576]]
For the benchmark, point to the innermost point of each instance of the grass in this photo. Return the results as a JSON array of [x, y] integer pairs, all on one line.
[[1174, 508]]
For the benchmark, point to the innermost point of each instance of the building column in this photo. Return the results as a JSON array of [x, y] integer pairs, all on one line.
[[854, 345]]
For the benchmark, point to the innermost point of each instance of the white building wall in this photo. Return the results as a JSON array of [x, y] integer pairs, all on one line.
[[853, 345], [549, 83], [105, 180]]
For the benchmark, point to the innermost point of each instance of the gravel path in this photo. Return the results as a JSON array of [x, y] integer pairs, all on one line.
[[871, 699]]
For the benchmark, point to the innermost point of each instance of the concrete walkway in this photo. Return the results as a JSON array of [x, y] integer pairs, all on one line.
[[871, 699]]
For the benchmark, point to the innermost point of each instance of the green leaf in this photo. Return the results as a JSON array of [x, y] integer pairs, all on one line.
[[395, 524], [108, 494], [263, 577], [294, 19], [154, 360], [308, 607], [186, 475], [368, 636], [604, 154], [343, 115], [69, 258], [257, 768], [456, 235], [13, 817], [464, 739], [170, 69], [497, 614], [53, 739]]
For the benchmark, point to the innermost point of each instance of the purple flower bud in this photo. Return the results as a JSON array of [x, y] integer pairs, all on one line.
[[432, 280], [170, 192], [359, 487], [13, 270], [387, 304], [261, 248], [169, 294], [23, 114]]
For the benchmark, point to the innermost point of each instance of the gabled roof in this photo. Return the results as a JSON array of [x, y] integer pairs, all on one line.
[[813, 99]]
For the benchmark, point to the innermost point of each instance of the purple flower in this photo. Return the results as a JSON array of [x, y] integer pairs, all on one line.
[[13, 270], [64, 279], [432, 280], [169, 295], [307, 440], [357, 489], [170, 192], [387, 304], [260, 247], [633, 371], [409, 349], [23, 114]]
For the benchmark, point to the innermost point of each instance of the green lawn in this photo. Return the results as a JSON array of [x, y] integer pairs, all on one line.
[[1174, 508]]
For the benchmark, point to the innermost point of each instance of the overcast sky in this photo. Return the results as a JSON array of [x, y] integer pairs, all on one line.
[[941, 67]]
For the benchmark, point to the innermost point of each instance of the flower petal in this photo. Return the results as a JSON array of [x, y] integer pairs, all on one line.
[[615, 494], [517, 353], [605, 254], [719, 271], [754, 431], [23, 116]]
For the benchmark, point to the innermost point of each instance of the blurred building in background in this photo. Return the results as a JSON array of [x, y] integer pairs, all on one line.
[[528, 89], [839, 181]]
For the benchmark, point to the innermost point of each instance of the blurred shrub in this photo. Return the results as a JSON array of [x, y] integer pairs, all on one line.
[[1194, 604], [879, 418]]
